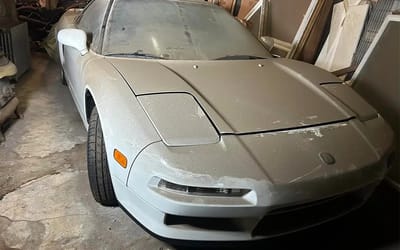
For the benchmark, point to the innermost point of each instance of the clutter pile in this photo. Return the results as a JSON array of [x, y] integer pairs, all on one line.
[[8, 100], [42, 15]]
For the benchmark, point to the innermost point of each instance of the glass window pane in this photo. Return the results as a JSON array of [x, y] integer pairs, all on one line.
[[92, 20], [177, 30]]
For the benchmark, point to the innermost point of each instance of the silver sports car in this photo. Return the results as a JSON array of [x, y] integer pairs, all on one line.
[[200, 134]]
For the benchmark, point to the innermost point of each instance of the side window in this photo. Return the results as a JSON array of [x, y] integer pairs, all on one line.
[[92, 20]]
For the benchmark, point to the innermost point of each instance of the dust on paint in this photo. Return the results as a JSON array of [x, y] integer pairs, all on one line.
[[316, 131]]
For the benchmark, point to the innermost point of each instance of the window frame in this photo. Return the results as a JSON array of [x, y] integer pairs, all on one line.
[[96, 46]]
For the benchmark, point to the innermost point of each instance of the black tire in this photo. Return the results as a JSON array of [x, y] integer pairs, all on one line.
[[62, 77], [98, 171]]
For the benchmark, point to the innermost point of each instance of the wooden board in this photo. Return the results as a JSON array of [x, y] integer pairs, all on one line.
[[245, 7], [309, 44], [285, 18], [328, 50], [346, 29]]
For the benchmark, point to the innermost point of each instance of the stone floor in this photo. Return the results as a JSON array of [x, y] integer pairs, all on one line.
[[45, 200]]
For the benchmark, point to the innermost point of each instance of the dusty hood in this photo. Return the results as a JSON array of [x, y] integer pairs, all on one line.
[[242, 96]]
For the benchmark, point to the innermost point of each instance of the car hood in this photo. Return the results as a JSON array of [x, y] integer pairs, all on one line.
[[242, 96]]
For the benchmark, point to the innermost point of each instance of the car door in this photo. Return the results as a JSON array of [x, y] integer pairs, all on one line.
[[91, 21]]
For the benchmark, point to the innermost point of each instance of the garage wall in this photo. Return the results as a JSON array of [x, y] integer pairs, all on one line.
[[378, 81]]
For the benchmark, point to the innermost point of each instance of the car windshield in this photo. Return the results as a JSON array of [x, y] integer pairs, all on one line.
[[178, 30]]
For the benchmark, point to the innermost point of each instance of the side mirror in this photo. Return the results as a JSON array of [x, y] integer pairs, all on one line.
[[74, 38]]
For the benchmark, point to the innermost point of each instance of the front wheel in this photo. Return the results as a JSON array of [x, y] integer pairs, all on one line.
[[99, 174]]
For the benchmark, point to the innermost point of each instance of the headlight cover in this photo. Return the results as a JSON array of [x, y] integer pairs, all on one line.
[[179, 119], [352, 100]]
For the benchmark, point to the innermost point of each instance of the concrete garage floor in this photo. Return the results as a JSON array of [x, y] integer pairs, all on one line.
[[45, 200]]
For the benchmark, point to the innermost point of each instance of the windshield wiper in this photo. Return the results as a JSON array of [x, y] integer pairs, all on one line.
[[136, 54], [239, 57]]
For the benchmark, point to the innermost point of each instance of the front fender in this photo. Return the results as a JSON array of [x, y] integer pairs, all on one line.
[[124, 122]]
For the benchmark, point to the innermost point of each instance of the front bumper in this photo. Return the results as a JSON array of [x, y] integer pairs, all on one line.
[[242, 225], [271, 208]]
